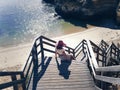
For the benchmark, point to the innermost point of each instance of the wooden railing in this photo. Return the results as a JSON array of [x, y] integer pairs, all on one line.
[[35, 60], [97, 59], [103, 45], [15, 81], [104, 76]]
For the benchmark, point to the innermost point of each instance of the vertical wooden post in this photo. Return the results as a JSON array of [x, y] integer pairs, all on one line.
[[114, 52], [105, 57], [84, 47], [103, 60], [35, 63], [13, 77], [97, 56], [74, 53], [42, 52], [102, 46], [69, 50], [118, 54], [24, 83], [111, 50]]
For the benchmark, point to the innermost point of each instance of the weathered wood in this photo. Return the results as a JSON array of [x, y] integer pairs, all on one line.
[[5, 85], [109, 69], [42, 52], [35, 64], [108, 79], [78, 78], [24, 83], [93, 64], [14, 78], [92, 55]]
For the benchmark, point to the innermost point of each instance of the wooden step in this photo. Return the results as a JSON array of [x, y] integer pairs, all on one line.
[[79, 77]]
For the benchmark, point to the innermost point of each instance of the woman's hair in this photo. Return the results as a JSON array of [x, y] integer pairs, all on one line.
[[60, 44]]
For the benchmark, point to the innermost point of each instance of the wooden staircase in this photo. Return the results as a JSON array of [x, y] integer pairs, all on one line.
[[47, 73], [74, 76]]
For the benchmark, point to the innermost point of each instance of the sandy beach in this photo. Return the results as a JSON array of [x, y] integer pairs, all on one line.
[[16, 56]]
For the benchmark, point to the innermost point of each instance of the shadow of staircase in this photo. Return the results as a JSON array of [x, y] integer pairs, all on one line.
[[78, 78]]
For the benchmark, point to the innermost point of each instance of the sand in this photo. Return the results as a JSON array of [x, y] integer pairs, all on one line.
[[17, 56]]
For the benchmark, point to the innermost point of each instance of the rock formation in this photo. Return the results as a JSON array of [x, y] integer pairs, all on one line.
[[118, 14], [86, 9]]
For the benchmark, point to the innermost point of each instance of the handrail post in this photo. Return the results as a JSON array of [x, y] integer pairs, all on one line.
[[42, 52], [69, 50], [83, 47], [74, 53], [35, 63], [13, 77], [24, 83], [105, 58], [118, 53], [111, 50]]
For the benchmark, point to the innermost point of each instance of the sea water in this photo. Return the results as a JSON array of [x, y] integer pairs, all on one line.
[[23, 20]]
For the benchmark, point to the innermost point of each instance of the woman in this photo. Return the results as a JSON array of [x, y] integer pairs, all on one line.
[[61, 51]]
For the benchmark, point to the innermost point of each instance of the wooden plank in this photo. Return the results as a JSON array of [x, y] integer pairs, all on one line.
[[5, 85], [60, 78], [109, 69], [79, 78], [14, 78], [92, 55], [66, 87], [64, 81], [108, 79]]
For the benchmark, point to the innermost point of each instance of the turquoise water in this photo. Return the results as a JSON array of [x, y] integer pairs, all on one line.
[[23, 20]]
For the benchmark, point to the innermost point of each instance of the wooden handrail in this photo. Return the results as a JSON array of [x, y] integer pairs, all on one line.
[[109, 69], [108, 79], [95, 68], [10, 73], [83, 45], [5, 85], [79, 48], [43, 41], [92, 55], [103, 45]]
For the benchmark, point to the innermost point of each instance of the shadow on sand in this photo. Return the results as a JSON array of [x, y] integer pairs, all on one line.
[[63, 68], [104, 22]]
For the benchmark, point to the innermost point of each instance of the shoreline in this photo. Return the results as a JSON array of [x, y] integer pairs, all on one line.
[[13, 56], [67, 28]]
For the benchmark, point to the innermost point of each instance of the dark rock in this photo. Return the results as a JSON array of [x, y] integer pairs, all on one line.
[[87, 9], [49, 1], [118, 14]]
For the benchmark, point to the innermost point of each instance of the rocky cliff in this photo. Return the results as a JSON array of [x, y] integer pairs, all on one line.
[[118, 13], [85, 9]]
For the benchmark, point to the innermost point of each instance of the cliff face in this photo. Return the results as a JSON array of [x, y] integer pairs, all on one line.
[[118, 13], [85, 9]]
